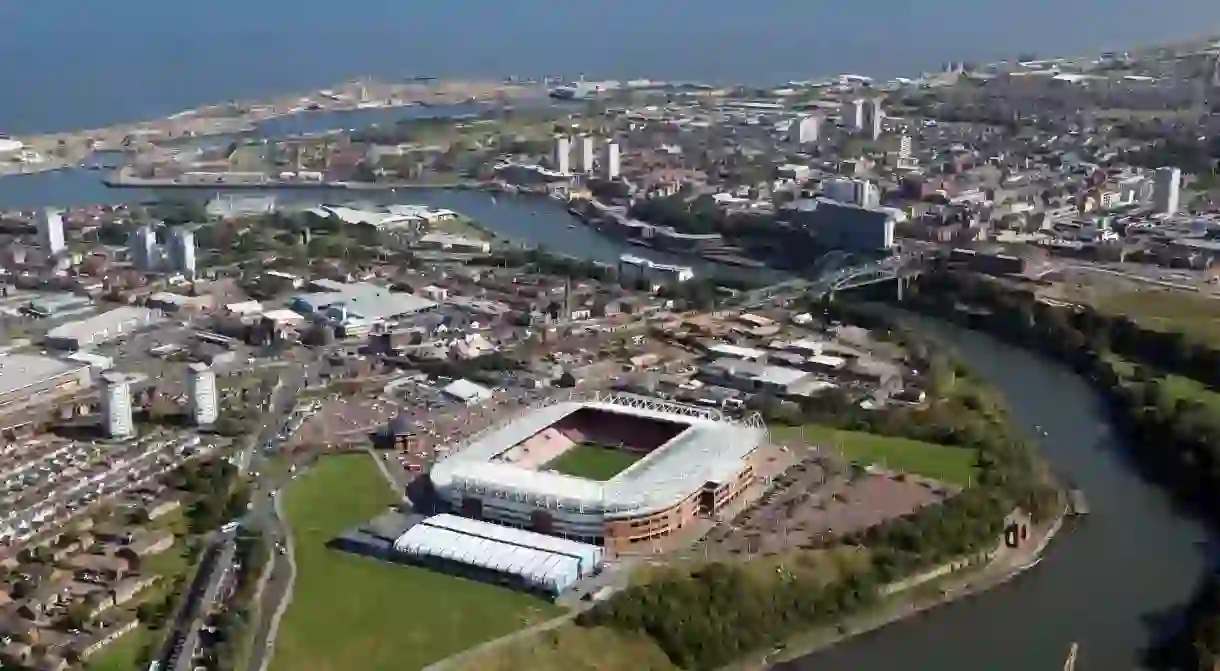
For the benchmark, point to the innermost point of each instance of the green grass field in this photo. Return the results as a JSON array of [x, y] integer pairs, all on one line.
[[353, 612], [592, 461], [1195, 315], [945, 463]]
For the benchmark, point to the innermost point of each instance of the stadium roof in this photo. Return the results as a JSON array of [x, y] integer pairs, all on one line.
[[18, 371], [711, 449], [544, 562]]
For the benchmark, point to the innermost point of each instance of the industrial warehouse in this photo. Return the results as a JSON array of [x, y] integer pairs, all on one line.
[[615, 471]]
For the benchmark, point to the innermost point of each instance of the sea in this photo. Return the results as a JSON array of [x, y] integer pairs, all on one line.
[[67, 64]]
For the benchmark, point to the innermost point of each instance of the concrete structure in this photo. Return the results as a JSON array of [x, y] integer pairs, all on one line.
[[853, 114], [142, 248], [182, 251], [51, 231], [695, 462], [27, 381], [534, 561], [116, 405], [859, 192], [613, 166], [587, 155], [632, 269], [1167, 190], [101, 328], [202, 397], [561, 160], [904, 147], [850, 228], [807, 129], [874, 117]]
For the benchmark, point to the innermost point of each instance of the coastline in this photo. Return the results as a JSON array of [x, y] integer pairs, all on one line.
[[907, 603]]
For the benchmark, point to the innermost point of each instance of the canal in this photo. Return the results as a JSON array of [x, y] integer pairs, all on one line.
[[1111, 583]]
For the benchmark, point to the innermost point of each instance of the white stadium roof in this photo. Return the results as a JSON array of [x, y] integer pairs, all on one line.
[[544, 562], [711, 449]]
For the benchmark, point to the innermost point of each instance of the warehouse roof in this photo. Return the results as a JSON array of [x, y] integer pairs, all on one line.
[[18, 371], [104, 326], [543, 562], [467, 392], [362, 300]]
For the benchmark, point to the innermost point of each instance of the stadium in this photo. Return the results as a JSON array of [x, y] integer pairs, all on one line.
[[613, 470]]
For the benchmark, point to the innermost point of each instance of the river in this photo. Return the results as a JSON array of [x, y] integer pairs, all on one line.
[[1111, 583]]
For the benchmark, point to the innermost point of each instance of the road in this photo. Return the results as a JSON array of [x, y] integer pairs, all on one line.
[[178, 649]]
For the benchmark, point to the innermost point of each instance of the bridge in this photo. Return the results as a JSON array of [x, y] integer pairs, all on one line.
[[832, 273]]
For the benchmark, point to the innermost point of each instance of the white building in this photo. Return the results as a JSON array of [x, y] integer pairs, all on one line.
[[808, 129], [182, 251], [1167, 190], [613, 160], [142, 247], [853, 114], [51, 231], [634, 268], [854, 191], [563, 155], [201, 394], [116, 405], [904, 147], [874, 116], [587, 156]]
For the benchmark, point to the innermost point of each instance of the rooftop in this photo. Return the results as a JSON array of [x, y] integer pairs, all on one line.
[[363, 301], [122, 319], [18, 371]]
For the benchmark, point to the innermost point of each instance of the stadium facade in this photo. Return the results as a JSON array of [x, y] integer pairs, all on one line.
[[692, 463]]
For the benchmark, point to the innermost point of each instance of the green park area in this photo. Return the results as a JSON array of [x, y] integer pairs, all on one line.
[[593, 461], [1195, 315], [350, 610], [949, 464]]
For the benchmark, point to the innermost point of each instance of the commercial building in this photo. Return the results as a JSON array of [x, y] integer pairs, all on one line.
[[1167, 190], [202, 394], [614, 160], [51, 231], [182, 251], [343, 302], [561, 161], [633, 269], [754, 377], [142, 248], [692, 462], [859, 192], [533, 561], [453, 243], [102, 328], [850, 228], [116, 405], [467, 392], [27, 381]]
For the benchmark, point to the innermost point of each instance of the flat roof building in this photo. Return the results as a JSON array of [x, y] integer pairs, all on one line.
[[27, 380], [341, 302], [101, 328], [467, 392]]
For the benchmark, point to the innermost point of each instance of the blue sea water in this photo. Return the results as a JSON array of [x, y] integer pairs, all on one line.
[[78, 63]]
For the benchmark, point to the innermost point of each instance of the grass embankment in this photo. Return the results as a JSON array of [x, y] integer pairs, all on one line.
[[949, 464], [574, 648], [1195, 315], [380, 617], [592, 461]]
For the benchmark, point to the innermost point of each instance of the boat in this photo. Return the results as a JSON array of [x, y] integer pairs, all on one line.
[[571, 225]]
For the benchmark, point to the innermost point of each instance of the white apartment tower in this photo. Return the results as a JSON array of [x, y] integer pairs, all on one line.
[[853, 114], [1167, 190], [808, 129], [201, 394], [142, 247], [587, 157], [182, 251], [563, 154], [116, 405], [874, 116], [51, 231], [614, 160], [904, 147]]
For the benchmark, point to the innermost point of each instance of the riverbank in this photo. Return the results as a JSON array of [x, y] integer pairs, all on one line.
[[918, 598]]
